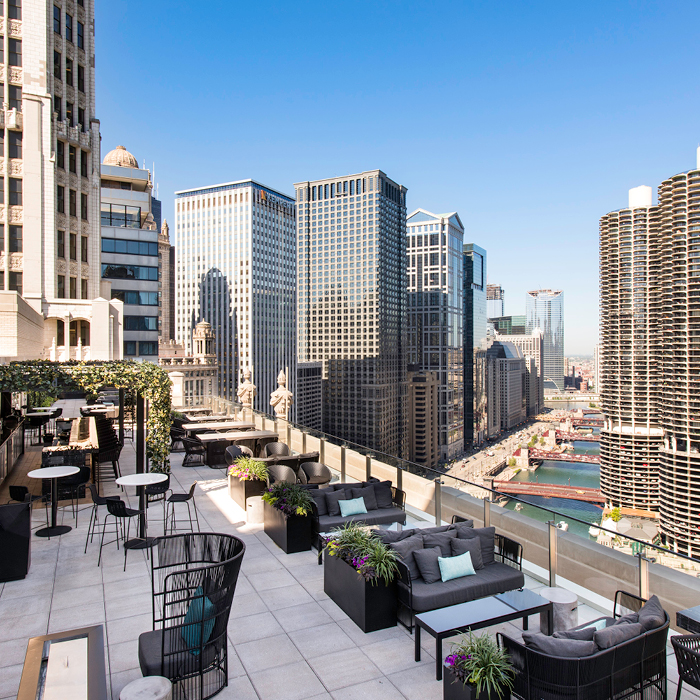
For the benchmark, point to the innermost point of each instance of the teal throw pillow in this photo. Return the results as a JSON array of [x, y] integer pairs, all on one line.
[[199, 621], [353, 506], [456, 567]]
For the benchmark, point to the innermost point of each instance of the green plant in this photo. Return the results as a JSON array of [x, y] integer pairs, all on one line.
[[511, 461], [248, 469], [615, 515], [479, 661], [291, 499], [177, 415], [362, 549], [40, 398]]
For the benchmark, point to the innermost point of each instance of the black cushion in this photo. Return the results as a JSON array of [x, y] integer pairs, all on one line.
[[405, 549], [382, 516], [342, 485], [154, 663], [320, 497], [461, 523], [332, 498], [472, 545], [585, 634], [651, 614], [616, 634], [382, 492], [440, 539], [367, 493], [553, 646], [486, 536], [427, 561]]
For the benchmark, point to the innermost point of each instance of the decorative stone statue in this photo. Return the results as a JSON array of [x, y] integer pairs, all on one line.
[[281, 399], [247, 390]]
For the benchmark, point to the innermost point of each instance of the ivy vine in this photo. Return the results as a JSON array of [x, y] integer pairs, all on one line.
[[146, 378]]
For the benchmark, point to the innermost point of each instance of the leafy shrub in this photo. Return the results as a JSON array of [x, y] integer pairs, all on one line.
[[291, 499], [248, 469]]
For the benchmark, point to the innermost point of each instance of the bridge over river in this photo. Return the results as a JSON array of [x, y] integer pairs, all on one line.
[[574, 493], [576, 436]]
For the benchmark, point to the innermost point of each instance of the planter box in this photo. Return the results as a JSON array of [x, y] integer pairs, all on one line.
[[290, 533], [15, 540], [240, 490], [370, 607], [454, 689]]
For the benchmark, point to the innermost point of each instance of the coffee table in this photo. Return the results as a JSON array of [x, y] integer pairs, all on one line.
[[475, 615]]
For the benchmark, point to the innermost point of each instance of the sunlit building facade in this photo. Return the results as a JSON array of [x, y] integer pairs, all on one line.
[[545, 310]]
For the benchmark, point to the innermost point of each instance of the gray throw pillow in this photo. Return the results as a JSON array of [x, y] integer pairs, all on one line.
[[332, 498], [439, 539], [389, 536], [570, 648], [585, 634], [427, 561], [382, 492], [462, 525], [405, 549], [628, 619], [320, 497], [487, 537], [368, 494], [473, 546], [610, 636], [651, 614]]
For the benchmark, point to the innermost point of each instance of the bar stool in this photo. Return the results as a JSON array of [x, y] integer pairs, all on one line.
[[118, 510], [183, 498]]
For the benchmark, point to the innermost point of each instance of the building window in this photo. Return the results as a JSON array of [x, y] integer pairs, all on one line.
[[57, 107], [83, 289], [61, 199], [140, 323], [73, 287], [60, 331], [83, 248], [15, 239], [81, 3], [130, 348], [72, 166], [57, 20], [61, 244], [120, 215], [84, 207], [69, 113], [57, 65], [81, 36], [69, 72], [60, 154], [69, 27], [119, 245], [83, 163], [16, 282], [16, 97], [61, 289], [148, 347], [73, 202], [81, 78], [15, 52], [15, 191], [135, 298], [129, 272], [15, 9], [15, 140], [81, 118], [73, 246]]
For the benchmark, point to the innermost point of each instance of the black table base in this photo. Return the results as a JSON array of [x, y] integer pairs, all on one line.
[[53, 531]]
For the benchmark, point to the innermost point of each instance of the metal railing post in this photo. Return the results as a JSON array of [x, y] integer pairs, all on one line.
[[438, 501], [289, 435], [399, 478], [368, 466], [303, 442], [553, 530], [322, 450], [342, 464], [487, 511], [643, 576]]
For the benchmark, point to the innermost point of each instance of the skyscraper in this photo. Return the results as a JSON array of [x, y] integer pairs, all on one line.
[[475, 344], [352, 304], [435, 337], [545, 310], [495, 296], [532, 348], [631, 436], [50, 282], [235, 269]]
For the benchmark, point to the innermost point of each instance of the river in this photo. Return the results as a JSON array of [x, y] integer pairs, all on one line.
[[576, 474]]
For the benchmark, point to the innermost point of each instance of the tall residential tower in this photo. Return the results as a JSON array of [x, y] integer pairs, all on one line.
[[545, 310]]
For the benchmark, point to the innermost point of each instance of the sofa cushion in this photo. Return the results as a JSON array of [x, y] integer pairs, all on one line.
[[651, 614], [320, 497], [472, 545], [628, 619], [456, 567], [352, 506], [496, 578], [387, 516], [405, 549], [367, 493], [154, 663], [342, 485], [585, 634], [440, 539], [427, 562], [389, 536], [382, 492], [553, 646], [332, 498], [616, 634], [486, 536]]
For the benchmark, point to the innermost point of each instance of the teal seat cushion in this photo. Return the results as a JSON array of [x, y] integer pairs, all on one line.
[[199, 621], [456, 567], [352, 506]]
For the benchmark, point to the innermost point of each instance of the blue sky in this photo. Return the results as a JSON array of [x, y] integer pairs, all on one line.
[[529, 119]]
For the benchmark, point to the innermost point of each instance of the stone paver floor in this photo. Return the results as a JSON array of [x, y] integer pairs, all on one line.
[[287, 639]]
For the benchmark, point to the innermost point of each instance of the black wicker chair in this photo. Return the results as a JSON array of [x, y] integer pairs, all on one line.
[[176, 435], [233, 452], [194, 451], [278, 473], [687, 650], [277, 449], [316, 473], [194, 579]]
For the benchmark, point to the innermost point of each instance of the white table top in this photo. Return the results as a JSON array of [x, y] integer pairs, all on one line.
[[221, 425], [34, 414], [52, 472], [237, 435], [42, 408], [141, 479]]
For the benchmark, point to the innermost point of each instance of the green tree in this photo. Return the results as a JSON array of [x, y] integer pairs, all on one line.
[[511, 461], [616, 515]]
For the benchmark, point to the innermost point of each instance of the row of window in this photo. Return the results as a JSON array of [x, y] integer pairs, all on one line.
[[61, 156], [72, 246], [76, 329], [70, 112], [144, 347], [120, 215], [129, 272], [136, 298], [72, 288], [61, 201], [119, 245], [140, 323], [69, 76], [80, 28], [15, 281]]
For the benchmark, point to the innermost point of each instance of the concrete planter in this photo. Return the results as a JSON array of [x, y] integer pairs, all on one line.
[[370, 607], [290, 533], [239, 490]]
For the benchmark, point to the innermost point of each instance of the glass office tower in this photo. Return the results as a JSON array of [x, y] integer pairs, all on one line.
[[545, 310]]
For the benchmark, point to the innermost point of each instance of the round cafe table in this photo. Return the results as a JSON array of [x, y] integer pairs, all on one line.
[[53, 473], [141, 481]]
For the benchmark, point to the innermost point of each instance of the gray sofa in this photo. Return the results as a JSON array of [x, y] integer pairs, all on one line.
[[501, 570]]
